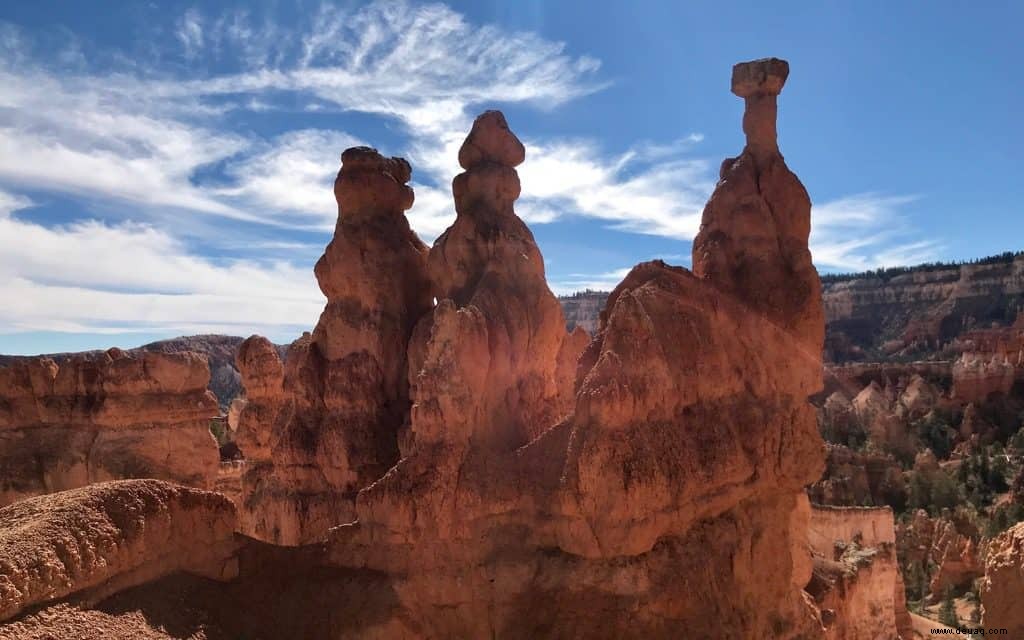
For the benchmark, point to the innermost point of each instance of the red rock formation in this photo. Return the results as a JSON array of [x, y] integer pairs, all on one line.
[[99, 539], [857, 479], [105, 416], [754, 231], [661, 493], [1003, 586], [944, 543], [321, 426], [658, 480], [488, 266], [856, 579], [976, 376]]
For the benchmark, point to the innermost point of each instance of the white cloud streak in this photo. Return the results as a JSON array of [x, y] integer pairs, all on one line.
[[866, 231], [148, 144], [90, 276]]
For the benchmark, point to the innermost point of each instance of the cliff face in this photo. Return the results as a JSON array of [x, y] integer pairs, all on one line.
[[583, 309], [1003, 585], [105, 416], [919, 310], [856, 579], [218, 350]]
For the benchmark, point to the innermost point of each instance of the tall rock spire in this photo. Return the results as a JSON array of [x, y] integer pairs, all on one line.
[[754, 231], [325, 423], [489, 277]]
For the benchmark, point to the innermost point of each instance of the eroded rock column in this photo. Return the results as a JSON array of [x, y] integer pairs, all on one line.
[[324, 424], [754, 231]]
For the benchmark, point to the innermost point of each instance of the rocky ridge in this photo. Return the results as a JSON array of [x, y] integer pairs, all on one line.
[[105, 416]]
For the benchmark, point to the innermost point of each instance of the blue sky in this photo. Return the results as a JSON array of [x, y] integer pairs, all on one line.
[[165, 168]]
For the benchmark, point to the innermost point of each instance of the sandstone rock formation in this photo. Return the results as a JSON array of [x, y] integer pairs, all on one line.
[[976, 376], [105, 416], [856, 579], [651, 486], [857, 479], [97, 540], [657, 480], [583, 309], [944, 543], [753, 234], [324, 424], [921, 309], [1003, 585]]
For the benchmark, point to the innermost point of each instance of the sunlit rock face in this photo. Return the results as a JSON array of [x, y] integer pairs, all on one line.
[[1003, 585], [105, 416], [325, 423], [672, 488], [94, 541], [856, 580]]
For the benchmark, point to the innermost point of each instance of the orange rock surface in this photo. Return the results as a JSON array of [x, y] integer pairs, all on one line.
[[856, 580], [673, 488], [1003, 585], [324, 424], [102, 417], [106, 537]]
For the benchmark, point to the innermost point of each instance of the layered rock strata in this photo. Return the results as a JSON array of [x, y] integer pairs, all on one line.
[[97, 540], [920, 309], [856, 580], [325, 423], [1003, 585], [102, 417]]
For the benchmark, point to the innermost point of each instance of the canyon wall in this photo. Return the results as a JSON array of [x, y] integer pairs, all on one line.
[[856, 579], [105, 416], [919, 309]]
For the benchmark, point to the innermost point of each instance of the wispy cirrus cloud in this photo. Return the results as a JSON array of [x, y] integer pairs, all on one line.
[[143, 143], [97, 277], [867, 231]]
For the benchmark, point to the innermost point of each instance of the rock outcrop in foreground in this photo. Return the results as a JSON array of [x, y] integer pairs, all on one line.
[[105, 416], [97, 540], [488, 474]]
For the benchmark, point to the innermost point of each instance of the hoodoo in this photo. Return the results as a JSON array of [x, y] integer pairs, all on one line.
[[683, 460], [325, 423]]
